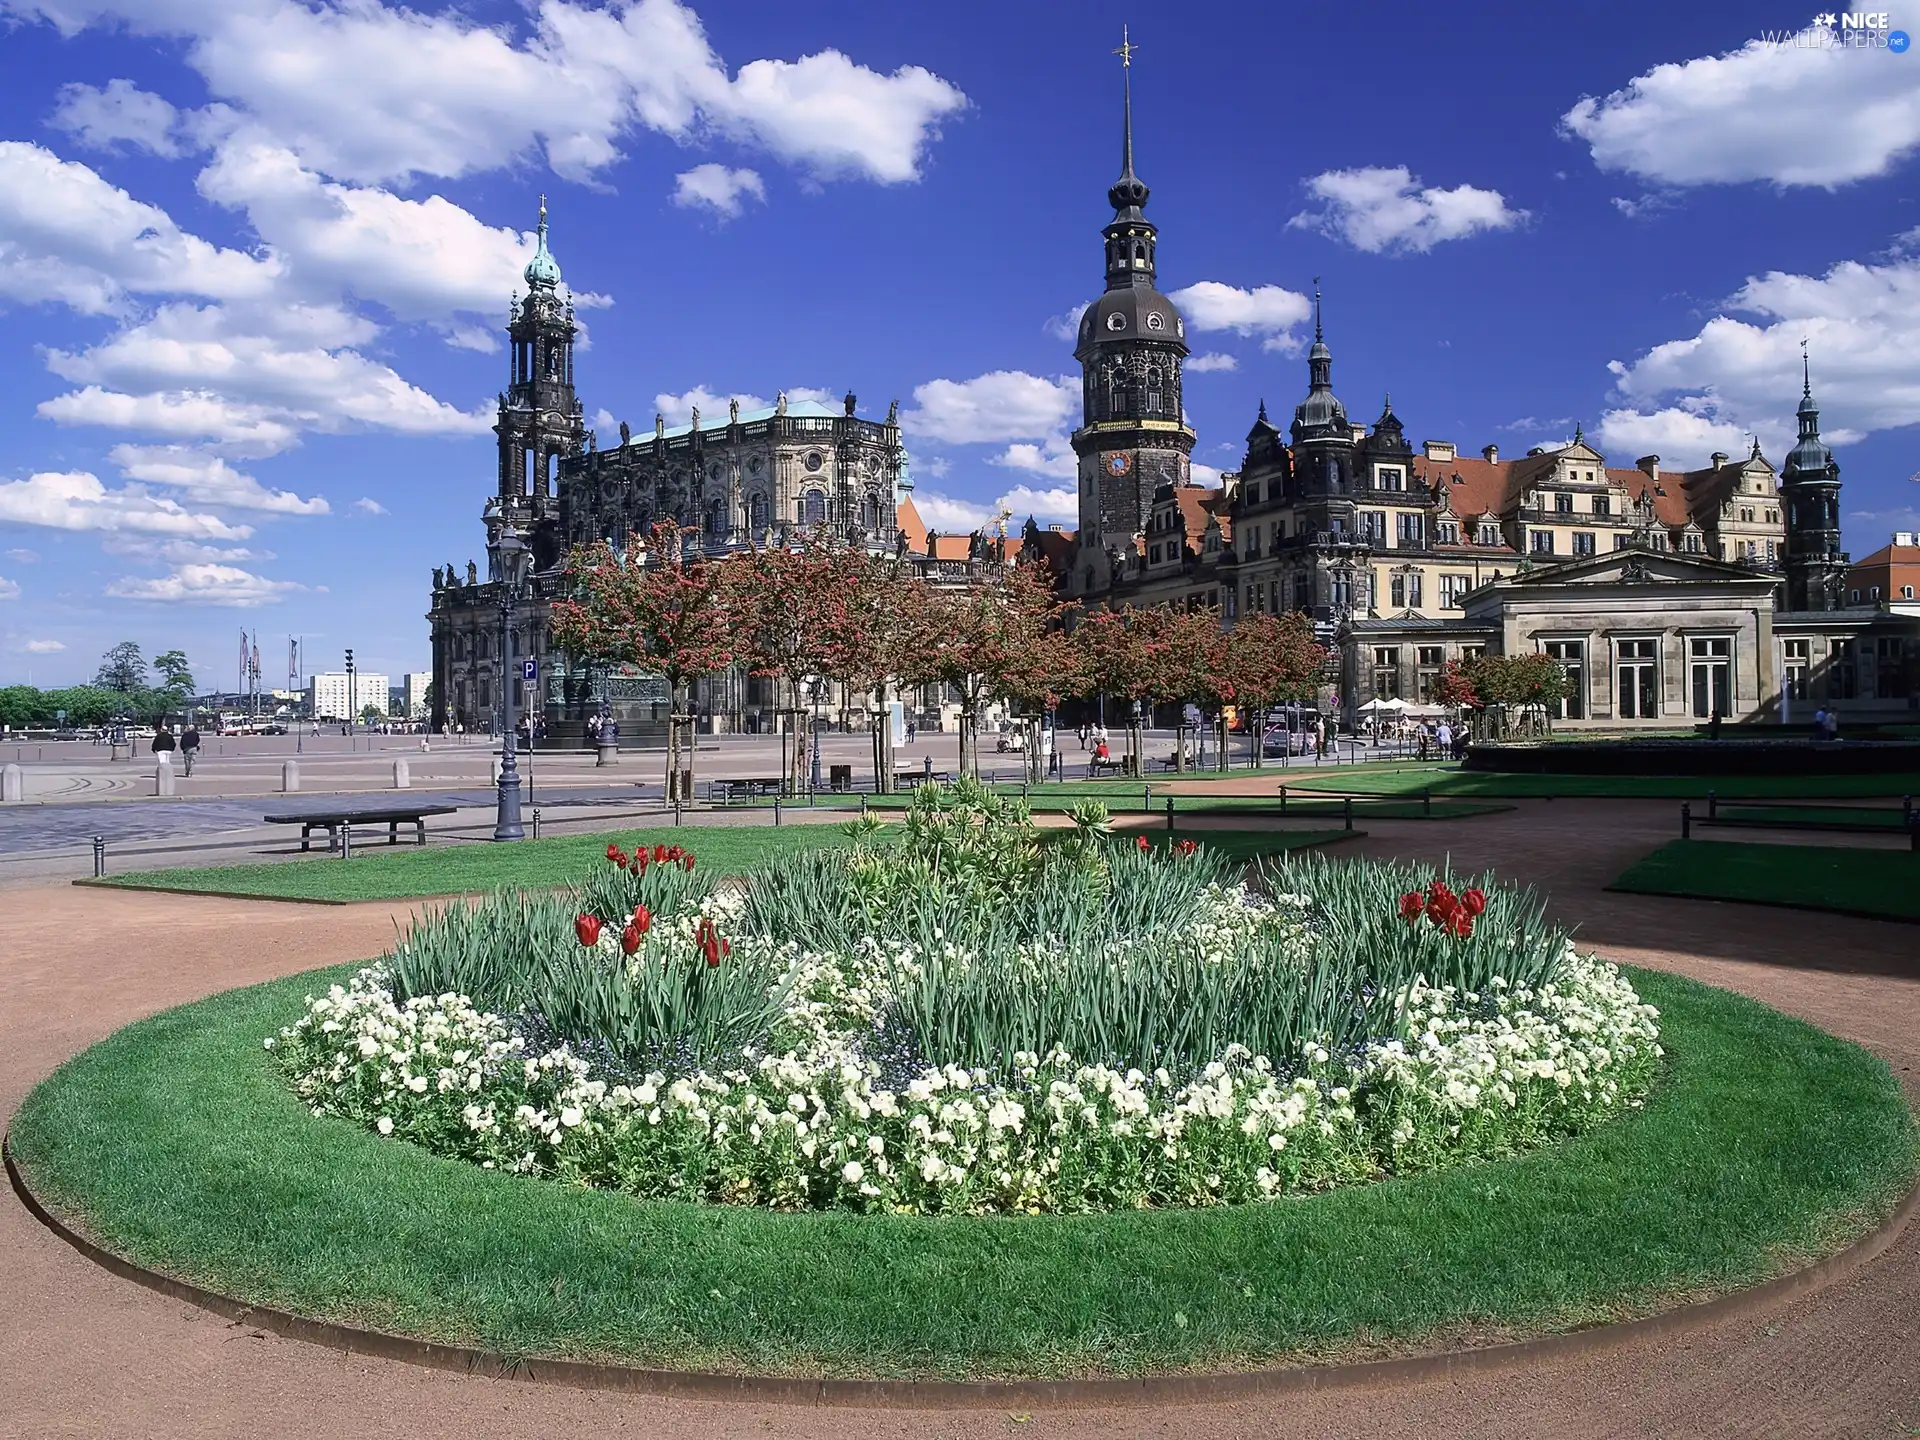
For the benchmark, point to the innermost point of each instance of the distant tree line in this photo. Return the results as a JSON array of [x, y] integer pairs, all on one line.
[[123, 689]]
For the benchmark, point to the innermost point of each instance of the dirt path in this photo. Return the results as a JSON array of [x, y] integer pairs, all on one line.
[[84, 1354]]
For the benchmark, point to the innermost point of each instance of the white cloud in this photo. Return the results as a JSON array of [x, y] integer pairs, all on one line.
[[1740, 374], [9, 589], [421, 259], [1380, 208], [1792, 114], [68, 236], [120, 114], [44, 647], [1053, 456], [258, 379], [1207, 364], [998, 406], [455, 97], [1066, 326], [951, 515], [367, 505], [1204, 474], [1264, 310], [678, 409], [207, 479], [178, 552], [1061, 503], [206, 584], [76, 500], [719, 189], [24, 557]]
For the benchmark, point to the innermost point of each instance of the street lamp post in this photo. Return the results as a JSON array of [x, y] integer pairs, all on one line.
[[510, 560], [818, 685]]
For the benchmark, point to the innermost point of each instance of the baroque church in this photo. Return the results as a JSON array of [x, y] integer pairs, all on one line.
[[1670, 595], [749, 478]]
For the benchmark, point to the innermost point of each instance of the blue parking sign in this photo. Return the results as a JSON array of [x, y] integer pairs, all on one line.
[[529, 670]]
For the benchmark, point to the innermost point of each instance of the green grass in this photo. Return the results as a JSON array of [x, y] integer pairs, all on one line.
[[413, 874], [175, 1144], [1130, 799], [1884, 884], [403, 873], [1880, 817], [1451, 781]]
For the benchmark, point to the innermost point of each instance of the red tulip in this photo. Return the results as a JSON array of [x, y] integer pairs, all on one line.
[[1475, 900], [1188, 847], [1411, 904], [617, 856], [660, 854], [587, 929], [642, 917], [630, 937], [1141, 841], [687, 860]]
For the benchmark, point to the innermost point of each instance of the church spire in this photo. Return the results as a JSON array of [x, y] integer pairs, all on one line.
[[543, 271], [1130, 235]]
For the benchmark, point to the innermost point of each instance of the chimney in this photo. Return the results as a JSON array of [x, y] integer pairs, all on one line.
[[1057, 529], [1441, 450], [1650, 464], [1903, 537], [1718, 458], [1492, 452]]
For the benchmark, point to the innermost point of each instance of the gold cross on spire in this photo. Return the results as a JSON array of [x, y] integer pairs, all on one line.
[[1125, 52]]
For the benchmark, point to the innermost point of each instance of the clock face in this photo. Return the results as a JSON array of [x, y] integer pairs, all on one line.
[[813, 460], [1119, 463], [1116, 321], [1155, 320]]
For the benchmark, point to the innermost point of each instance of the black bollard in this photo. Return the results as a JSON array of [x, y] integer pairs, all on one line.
[[346, 839], [1146, 802], [1713, 806], [1169, 814], [536, 822], [1686, 820], [99, 856], [863, 807], [776, 809], [1426, 803], [1347, 810]]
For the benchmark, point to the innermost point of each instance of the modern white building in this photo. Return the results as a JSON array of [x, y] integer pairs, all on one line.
[[329, 697], [416, 693]]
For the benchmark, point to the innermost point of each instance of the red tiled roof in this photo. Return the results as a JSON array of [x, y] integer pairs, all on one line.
[[1199, 504], [911, 525], [1670, 502]]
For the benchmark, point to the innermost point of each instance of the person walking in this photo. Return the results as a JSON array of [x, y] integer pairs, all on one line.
[[189, 745], [163, 742], [1443, 739]]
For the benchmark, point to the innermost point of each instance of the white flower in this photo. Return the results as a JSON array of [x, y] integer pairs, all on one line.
[[852, 1171], [384, 1125]]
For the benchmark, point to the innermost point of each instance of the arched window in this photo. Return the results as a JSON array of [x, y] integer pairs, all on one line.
[[717, 518], [813, 508], [870, 512], [757, 510]]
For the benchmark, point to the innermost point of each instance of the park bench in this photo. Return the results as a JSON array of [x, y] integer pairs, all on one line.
[[1113, 765], [724, 792], [332, 818]]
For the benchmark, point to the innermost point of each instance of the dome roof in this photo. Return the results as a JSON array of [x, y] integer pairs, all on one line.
[[543, 271], [1133, 312]]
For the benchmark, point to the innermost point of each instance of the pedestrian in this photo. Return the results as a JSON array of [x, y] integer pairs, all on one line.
[[1820, 723], [1426, 739], [163, 742], [1833, 724], [189, 744], [1320, 738], [1443, 739], [1713, 726]]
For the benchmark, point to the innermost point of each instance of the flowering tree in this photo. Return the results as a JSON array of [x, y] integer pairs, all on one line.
[[1533, 682], [1454, 688], [788, 607], [980, 638], [873, 641], [1036, 683], [1266, 660], [652, 607], [1134, 655]]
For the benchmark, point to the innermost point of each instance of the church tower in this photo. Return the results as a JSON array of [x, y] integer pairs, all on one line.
[[540, 416], [1810, 491], [1133, 438]]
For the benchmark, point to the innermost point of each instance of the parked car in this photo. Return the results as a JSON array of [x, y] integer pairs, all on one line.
[[1279, 740]]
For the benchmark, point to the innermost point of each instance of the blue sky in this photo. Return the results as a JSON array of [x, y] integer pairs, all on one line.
[[255, 255]]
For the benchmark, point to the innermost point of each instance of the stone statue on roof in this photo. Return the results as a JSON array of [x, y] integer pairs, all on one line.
[[733, 410], [849, 402], [696, 417], [900, 545], [893, 413], [439, 579], [659, 425], [780, 404], [473, 573], [626, 434]]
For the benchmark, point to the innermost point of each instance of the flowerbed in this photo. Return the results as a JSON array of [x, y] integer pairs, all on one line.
[[968, 1022]]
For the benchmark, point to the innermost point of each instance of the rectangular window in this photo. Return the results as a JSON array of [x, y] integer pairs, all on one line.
[[1712, 676], [1390, 478], [1542, 542], [1386, 657], [1602, 505], [1843, 671], [1563, 504], [1471, 652], [1489, 535], [1453, 590], [1373, 525], [1302, 592], [1795, 663], [1582, 543], [1572, 655], [1412, 531], [1888, 677], [1386, 672], [1449, 532], [1637, 686], [1413, 590]]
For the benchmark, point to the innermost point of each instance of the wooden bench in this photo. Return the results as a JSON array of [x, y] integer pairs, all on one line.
[[725, 792], [1117, 764], [332, 818]]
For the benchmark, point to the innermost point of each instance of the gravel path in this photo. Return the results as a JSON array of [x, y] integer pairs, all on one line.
[[84, 1354]]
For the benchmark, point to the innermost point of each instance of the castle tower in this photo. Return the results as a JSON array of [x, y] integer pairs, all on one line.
[[540, 416], [1132, 345], [1810, 491]]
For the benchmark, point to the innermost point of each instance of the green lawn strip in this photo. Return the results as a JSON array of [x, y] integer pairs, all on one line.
[[175, 1144], [411, 873], [1881, 817], [1883, 884], [1456, 783], [1059, 800]]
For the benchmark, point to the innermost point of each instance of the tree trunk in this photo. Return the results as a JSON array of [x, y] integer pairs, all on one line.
[[1180, 744], [1136, 745], [673, 740]]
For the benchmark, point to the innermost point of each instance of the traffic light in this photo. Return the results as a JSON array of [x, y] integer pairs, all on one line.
[[349, 662]]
